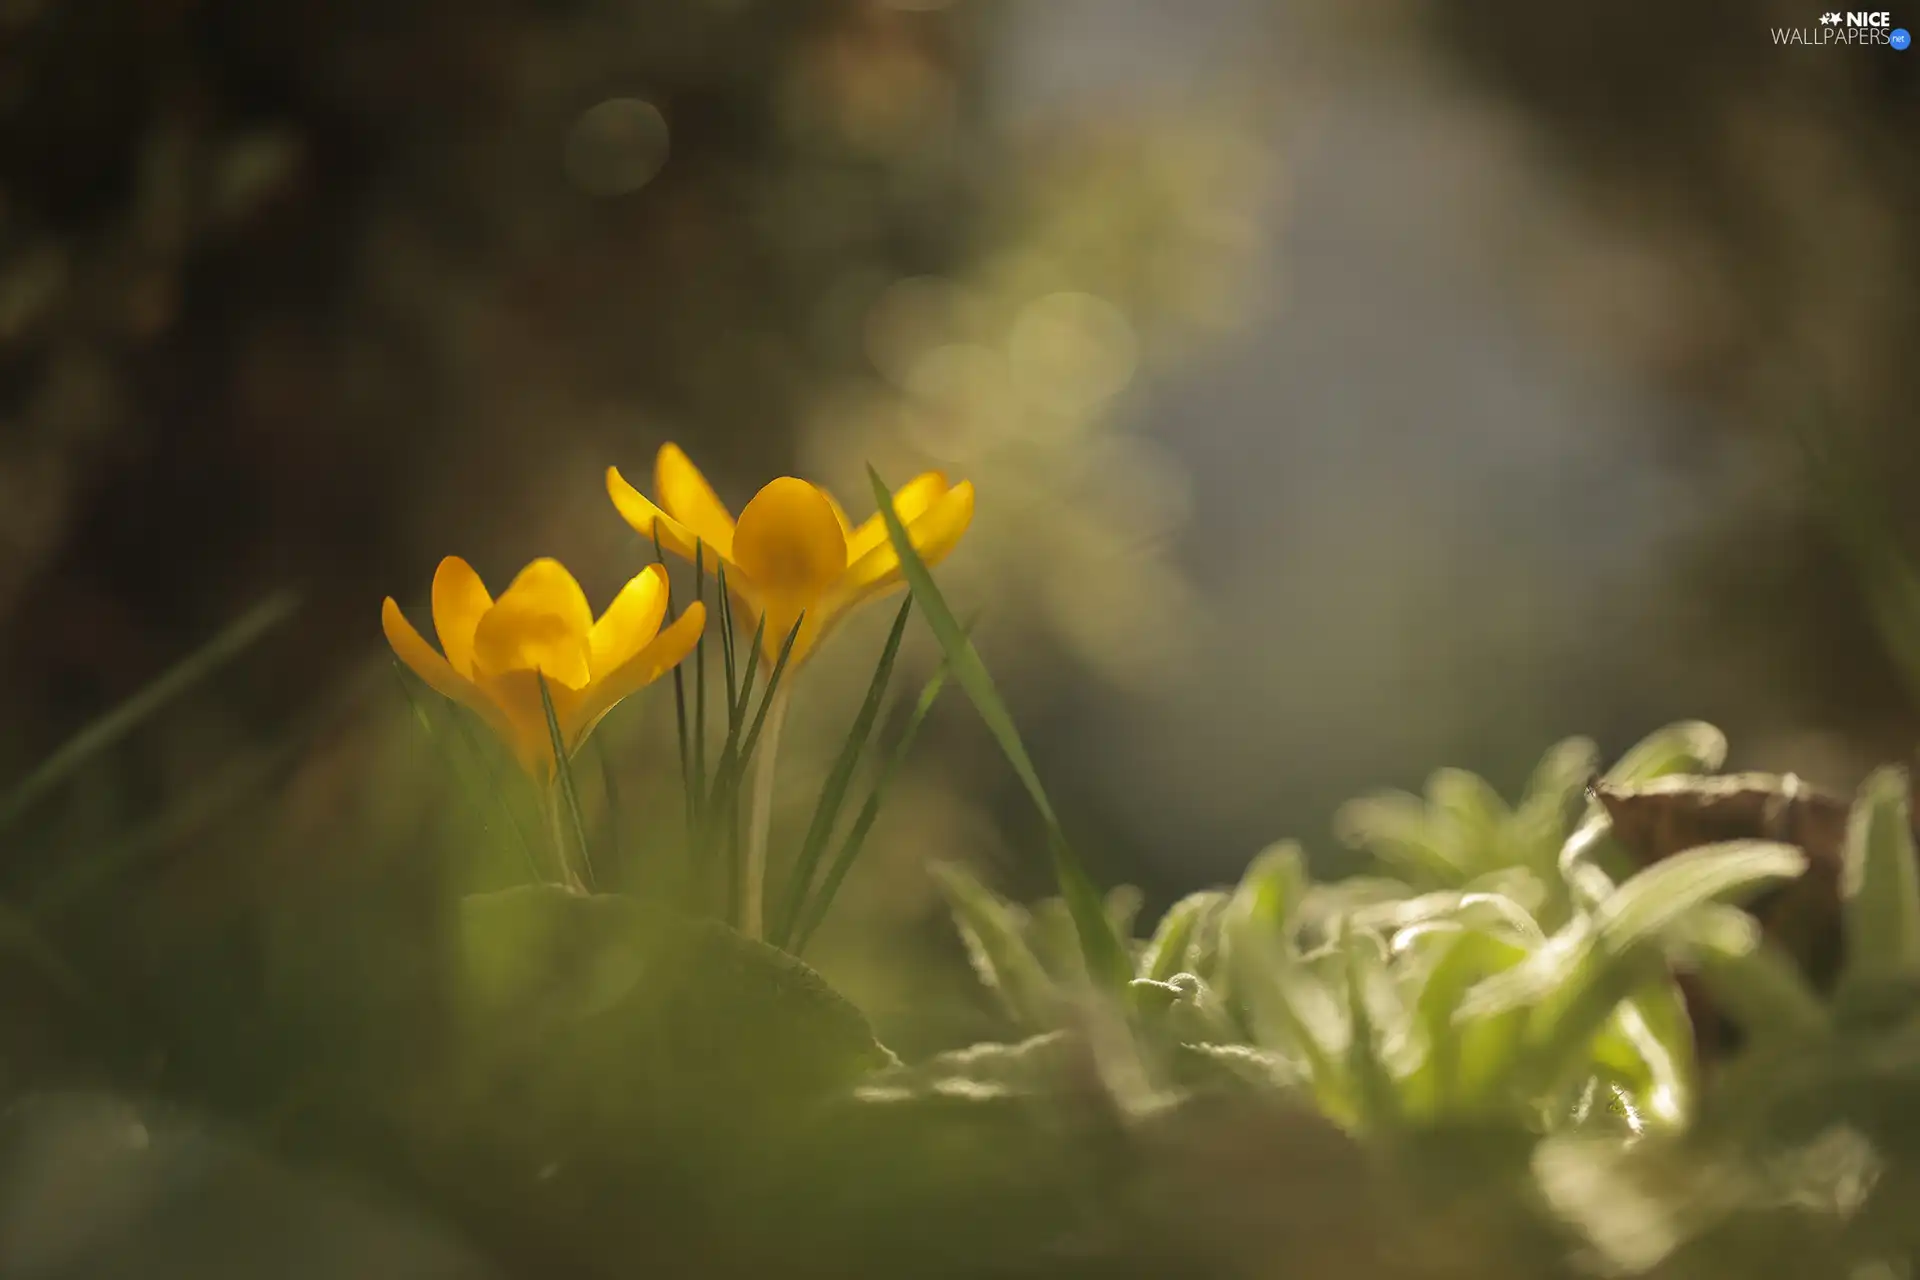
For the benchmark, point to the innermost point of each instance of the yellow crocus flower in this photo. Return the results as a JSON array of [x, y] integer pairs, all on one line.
[[495, 650], [793, 550]]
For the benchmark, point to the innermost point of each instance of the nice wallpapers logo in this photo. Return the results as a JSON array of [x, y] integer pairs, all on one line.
[[1848, 30]]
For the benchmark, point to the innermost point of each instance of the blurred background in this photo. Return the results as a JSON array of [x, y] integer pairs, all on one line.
[[1350, 390]]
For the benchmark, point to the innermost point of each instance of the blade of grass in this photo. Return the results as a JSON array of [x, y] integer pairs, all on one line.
[[815, 909], [110, 728], [826, 811], [726, 635], [1107, 959], [752, 739], [699, 703], [463, 779], [212, 799], [563, 775], [746, 684], [679, 691]]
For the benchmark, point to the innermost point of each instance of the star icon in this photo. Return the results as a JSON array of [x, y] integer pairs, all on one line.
[[1829, 19]]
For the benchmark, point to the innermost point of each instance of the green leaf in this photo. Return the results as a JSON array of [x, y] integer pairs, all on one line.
[[1653, 899], [1468, 819], [1491, 911], [996, 944], [1377, 1030], [833, 794], [1881, 883], [1464, 1055], [1545, 970], [123, 719], [1599, 961], [1107, 959], [1654, 1027], [1396, 828], [1555, 794], [1168, 951], [1690, 746], [1287, 1007], [1273, 887]]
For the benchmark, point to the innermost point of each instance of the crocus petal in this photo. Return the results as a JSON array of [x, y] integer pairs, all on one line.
[[788, 542], [540, 623], [659, 656], [933, 533], [437, 671], [910, 502], [630, 622], [650, 521], [515, 696], [839, 513], [687, 496], [411, 648], [459, 599]]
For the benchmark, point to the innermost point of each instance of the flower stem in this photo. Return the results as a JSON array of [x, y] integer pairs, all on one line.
[[752, 911]]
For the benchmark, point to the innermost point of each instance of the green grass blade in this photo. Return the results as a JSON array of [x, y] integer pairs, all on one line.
[[1107, 959], [725, 603], [563, 773], [1881, 884], [462, 777], [129, 715], [752, 739], [1396, 828], [700, 702], [816, 906], [739, 713], [1469, 820], [826, 811], [679, 692]]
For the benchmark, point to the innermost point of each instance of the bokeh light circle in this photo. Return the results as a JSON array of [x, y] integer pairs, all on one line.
[[616, 147]]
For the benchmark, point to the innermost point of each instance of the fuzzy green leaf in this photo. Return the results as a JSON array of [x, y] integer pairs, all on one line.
[[996, 943], [1655, 898], [1690, 746], [1881, 884]]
